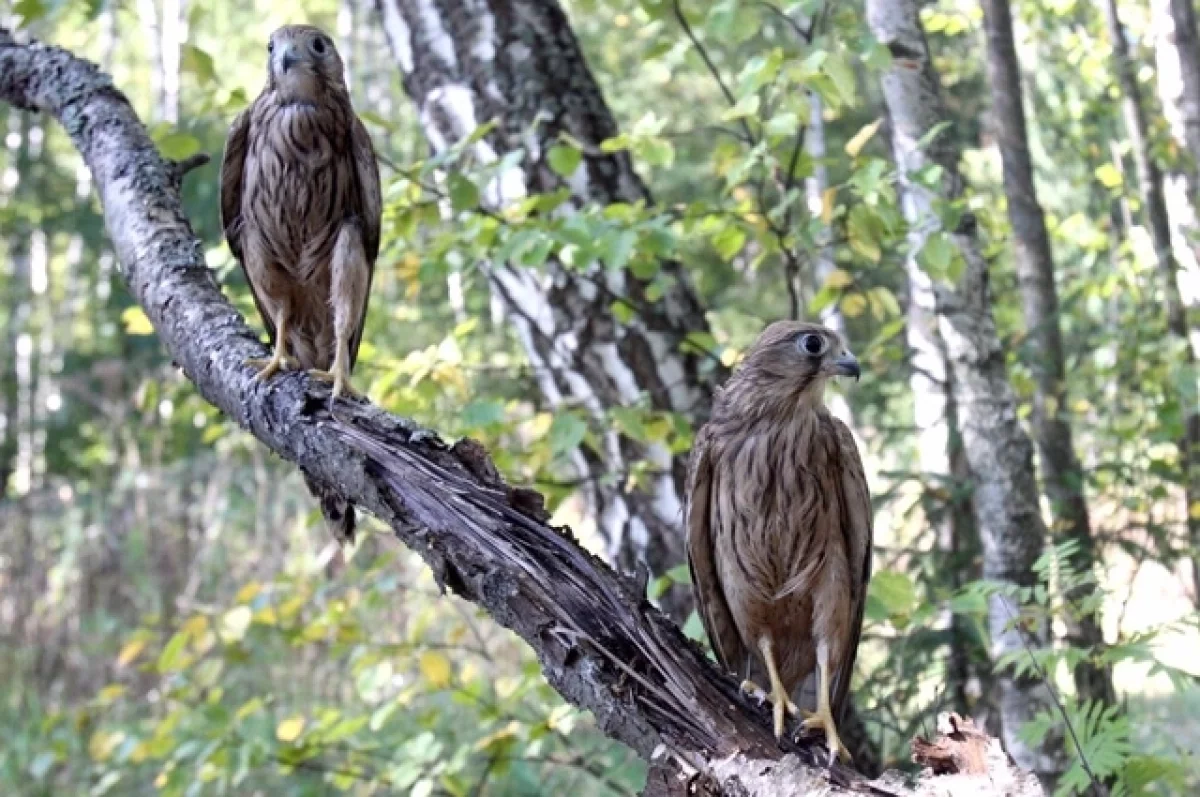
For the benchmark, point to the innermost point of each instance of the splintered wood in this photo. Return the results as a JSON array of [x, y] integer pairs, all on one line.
[[963, 760]]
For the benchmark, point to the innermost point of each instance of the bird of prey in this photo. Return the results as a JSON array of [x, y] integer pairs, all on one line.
[[779, 526], [301, 208]]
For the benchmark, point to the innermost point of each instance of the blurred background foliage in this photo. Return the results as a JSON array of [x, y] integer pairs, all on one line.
[[168, 617]]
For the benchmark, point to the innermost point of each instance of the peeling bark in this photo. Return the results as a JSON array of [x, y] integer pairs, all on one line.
[[1062, 475], [1150, 179], [466, 62], [998, 452], [600, 644]]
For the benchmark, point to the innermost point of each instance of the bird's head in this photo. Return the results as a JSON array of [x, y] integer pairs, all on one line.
[[791, 361], [303, 64]]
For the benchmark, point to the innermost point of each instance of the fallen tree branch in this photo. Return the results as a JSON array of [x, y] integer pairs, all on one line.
[[600, 643]]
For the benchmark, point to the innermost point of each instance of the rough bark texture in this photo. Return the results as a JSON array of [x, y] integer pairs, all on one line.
[[1187, 44], [1062, 475], [998, 452], [601, 645], [1177, 71], [467, 62], [1150, 179]]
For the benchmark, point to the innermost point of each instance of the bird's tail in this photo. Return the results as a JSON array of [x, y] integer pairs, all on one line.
[[337, 511]]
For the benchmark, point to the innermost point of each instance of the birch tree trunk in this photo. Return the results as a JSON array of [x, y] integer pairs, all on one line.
[[998, 453], [465, 62], [1150, 180], [1177, 68], [1062, 475]]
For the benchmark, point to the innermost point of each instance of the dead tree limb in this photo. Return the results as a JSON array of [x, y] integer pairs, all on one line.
[[600, 643]]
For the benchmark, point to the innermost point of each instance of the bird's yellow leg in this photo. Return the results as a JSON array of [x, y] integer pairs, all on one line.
[[823, 718], [279, 361], [339, 374], [781, 702]]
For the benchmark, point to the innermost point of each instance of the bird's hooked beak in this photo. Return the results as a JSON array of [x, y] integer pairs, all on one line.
[[846, 365], [286, 57]]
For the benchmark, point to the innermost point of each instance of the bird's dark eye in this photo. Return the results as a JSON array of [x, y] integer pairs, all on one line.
[[320, 45], [270, 47], [813, 345]]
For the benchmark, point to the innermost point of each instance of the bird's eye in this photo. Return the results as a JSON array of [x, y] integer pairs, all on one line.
[[270, 46], [813, 345], [320, 45]]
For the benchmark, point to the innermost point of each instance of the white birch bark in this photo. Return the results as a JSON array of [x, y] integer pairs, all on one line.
[[998, 452], [466, 62]]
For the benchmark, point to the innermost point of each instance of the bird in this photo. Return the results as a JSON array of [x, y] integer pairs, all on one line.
[[301, 209], [779, 527]]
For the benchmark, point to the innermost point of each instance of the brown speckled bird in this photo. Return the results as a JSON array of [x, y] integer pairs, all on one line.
[[779, 526], [301, 208]]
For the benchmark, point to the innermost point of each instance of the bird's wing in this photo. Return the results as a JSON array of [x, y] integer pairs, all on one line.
[[233, 167], [370, 211], [857, 528], [710, 595]]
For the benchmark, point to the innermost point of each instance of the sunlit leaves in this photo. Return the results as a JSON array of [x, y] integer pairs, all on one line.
[[289, 730], [564, 159], [136, 322]]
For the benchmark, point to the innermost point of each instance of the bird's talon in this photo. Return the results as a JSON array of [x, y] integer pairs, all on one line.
[[341, 383], [269, 366]]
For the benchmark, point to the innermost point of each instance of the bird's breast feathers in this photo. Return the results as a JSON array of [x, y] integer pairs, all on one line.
[[778, 501], [299, 184]]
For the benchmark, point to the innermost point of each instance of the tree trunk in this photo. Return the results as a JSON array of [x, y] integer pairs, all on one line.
[[600, 645], [998, 453], [1186, 43], [1062, 474], [1177, 68], [464, 63], [1150, 179]]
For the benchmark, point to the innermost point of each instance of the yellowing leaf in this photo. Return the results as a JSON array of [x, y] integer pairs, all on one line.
[[102, 744], [509, 731], [828, 197], [853, 304], [1109, 176], [435, 668], [290, 729], [136, 322], [109, 693], [1194, 510], [248, 592], [195, 625], [235, 622], [249, 707], [839, 278], [130, 652], [860, 139]]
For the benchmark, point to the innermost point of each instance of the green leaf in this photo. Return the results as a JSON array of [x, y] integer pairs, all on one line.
[[680, 574], [463, 193], [618, 248], [862, 229], [839, 71], [729, 241], [199, 63], [894, 591], [564, 159], [29, 10], [172, 654], [566, 432], [177, 146]]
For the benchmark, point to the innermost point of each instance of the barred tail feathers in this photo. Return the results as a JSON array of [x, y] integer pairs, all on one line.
[[337, 511]]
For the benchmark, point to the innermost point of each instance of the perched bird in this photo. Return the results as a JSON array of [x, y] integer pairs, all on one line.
[[301, 207], [779, 526]]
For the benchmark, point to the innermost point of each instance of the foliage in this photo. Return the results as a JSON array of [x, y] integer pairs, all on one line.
[[170, 624]]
